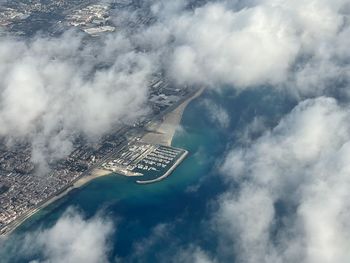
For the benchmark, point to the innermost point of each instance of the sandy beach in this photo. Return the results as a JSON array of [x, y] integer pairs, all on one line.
[[163, 132], [96, 173]]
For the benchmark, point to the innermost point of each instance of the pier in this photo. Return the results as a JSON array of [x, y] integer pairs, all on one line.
[[140, 159], [172, 168]]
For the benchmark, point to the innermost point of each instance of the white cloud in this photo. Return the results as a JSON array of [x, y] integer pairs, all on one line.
[[251, 43], [72, 239], [304, 164], [217, 45], [52, 89]]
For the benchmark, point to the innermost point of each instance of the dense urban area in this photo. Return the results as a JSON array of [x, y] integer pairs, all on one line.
[[22, 190], [55, 17]]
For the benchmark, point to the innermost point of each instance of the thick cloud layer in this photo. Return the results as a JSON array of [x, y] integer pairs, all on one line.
[[243, 48], [52, 89], [265, 42], [291, 204]]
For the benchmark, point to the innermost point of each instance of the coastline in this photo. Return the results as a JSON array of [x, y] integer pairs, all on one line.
[[96, 173], [176, 164], [161, 133], [164, 131]]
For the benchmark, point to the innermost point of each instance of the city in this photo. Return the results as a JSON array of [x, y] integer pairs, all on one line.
[[26, 18], [22, 190], [181, 131]]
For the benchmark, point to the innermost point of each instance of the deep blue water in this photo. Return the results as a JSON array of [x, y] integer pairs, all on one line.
[[184, 201]]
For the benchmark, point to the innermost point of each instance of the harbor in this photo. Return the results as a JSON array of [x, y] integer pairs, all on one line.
[[151, 162]]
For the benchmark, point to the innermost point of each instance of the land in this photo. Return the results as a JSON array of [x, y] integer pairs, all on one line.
[[54, 17], [79, 183], [85, 163], [24, 187], [163, 132]]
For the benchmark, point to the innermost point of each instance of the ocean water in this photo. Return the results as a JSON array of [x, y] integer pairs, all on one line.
[[182, 203]]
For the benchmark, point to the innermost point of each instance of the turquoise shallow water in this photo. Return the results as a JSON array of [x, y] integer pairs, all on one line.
[[184, 201]]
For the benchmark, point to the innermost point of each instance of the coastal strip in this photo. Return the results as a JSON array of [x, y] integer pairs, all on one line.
[[163, 133], [81, 181]]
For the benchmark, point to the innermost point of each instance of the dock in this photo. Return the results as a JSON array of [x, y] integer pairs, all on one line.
[[172, 168], [153, 162]]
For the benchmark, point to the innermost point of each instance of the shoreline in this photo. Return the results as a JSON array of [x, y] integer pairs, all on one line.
[[96, 173], [163, 133]]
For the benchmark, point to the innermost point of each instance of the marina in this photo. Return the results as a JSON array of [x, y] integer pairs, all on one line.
[[152, 162]]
